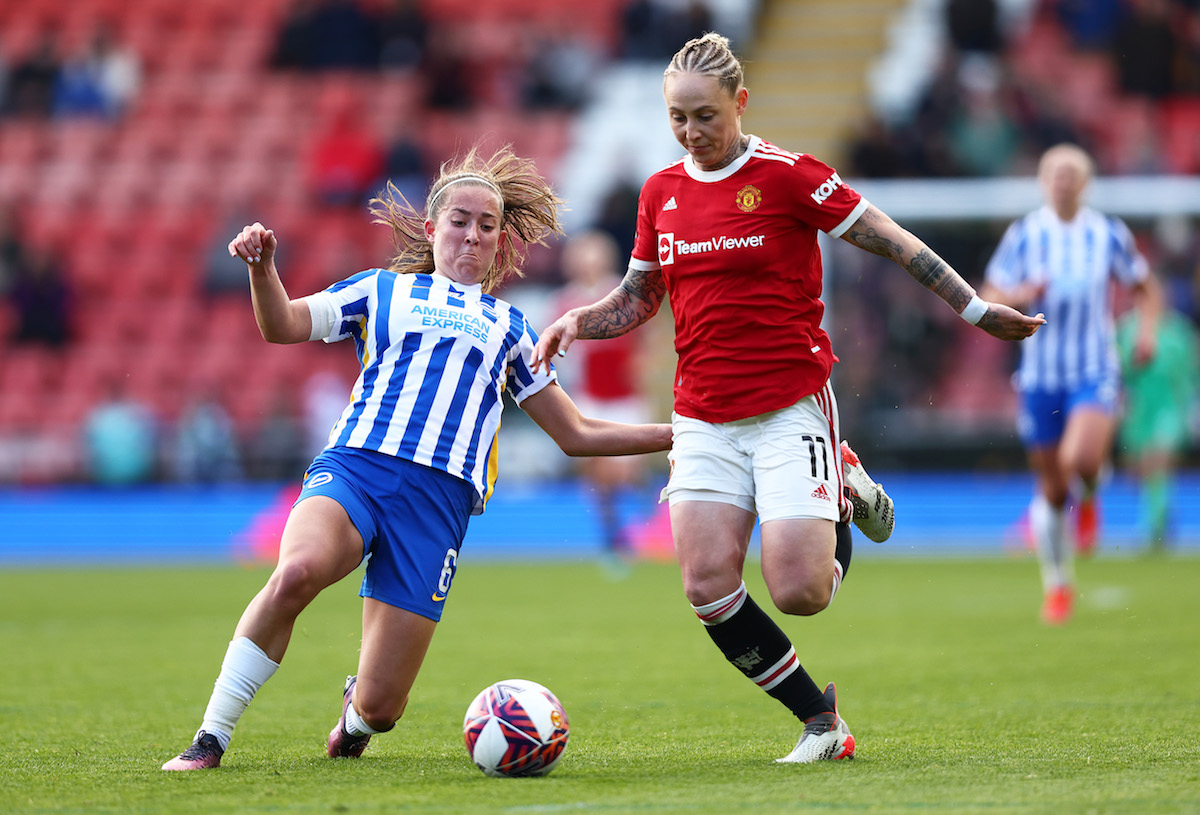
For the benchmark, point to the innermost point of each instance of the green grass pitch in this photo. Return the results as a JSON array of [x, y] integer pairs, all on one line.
[[959, 698]]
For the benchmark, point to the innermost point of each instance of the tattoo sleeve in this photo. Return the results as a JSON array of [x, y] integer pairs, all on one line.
[[629, 305], [880, 235]]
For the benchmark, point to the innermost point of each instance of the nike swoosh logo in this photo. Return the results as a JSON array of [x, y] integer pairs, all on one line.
[[438, 598]]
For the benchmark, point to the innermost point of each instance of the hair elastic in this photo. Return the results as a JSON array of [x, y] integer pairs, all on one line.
[[477, 178]]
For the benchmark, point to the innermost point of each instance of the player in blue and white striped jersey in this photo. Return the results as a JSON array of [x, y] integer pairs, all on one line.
[[414, 454], [1060, 260]]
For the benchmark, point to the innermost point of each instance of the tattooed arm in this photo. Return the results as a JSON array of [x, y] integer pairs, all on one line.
[[626, 307], [880, 235]]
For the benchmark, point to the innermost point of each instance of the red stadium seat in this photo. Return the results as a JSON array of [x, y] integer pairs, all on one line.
[[1181, 134]]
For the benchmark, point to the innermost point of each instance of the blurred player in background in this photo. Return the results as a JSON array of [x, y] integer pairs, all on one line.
[[1160, 394], [606, 382], [413, 456], [729, 232], [1060, 260]]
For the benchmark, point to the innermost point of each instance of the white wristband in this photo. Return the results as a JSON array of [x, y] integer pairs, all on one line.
[[974, 311]]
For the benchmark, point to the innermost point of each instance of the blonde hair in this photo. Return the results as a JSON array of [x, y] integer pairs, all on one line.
[[529, 212], [709, 55], [1066, 153]]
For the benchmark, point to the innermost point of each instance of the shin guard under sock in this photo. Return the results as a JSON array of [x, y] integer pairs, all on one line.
[[757, 647]]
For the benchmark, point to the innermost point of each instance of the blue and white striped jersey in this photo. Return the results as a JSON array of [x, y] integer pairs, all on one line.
[[1075, 261], [436, 356]]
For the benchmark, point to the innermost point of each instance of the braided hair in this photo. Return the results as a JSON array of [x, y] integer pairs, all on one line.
[[709, 55]]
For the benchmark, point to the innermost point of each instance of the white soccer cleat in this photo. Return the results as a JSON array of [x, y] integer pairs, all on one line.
[[825, 738], [874, 512]]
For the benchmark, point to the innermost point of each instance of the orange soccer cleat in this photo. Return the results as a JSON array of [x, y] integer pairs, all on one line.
[[1058, 604]]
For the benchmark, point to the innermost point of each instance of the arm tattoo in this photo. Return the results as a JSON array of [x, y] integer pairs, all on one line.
[[864, 235], [629, 305], [936, 275], [925, 266]]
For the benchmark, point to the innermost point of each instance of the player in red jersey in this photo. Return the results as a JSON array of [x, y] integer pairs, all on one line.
[[729, 232]]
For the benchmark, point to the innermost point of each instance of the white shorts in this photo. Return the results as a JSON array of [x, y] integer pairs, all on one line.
[[782, 464]]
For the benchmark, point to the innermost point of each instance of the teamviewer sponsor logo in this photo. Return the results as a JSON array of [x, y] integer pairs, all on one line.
[[720, 243], [666, 248]]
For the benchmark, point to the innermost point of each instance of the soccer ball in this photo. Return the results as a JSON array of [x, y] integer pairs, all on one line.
[[516, 728]]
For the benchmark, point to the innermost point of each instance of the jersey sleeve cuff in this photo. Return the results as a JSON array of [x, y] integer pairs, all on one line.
[[854, 215]]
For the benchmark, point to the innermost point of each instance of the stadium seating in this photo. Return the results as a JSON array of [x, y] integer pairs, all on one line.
[[135, 204]]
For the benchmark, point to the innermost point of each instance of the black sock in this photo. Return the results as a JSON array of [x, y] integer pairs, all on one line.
[[757, 647], [844, 548]]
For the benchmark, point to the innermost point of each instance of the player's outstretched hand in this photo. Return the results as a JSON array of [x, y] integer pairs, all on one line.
[[255, 244], [557, 337], [1006, 323]]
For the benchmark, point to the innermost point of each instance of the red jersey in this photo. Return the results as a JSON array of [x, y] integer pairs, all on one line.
[[738, 251]]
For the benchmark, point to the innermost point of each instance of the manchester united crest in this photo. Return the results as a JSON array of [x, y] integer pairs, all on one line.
[[748, 198]]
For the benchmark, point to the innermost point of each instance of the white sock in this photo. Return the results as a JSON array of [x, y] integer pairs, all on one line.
[[718, 611], [837, 582], [1055, 554], [355, 725], [245, 669]]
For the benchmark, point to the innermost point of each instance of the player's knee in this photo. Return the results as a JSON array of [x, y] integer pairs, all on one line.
[[701, 587], [802, 599], [296, 582]]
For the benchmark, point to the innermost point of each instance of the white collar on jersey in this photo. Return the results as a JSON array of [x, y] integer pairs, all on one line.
[[711, 176]]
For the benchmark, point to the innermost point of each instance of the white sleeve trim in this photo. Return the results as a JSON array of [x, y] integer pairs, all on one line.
[[644, 265], [323, 313], [536, 387], [854, 215]]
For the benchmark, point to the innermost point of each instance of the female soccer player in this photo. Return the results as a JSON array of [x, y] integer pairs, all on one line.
[[1061, 259], [414, 454], [729, 232]]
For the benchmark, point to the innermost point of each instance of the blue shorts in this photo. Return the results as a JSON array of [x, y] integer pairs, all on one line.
[[1042, 414], [412, 520]]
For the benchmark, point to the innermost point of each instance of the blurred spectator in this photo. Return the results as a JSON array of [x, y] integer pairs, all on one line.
[[325, 397], [1091, 24], [973, 25], [42, 298], [323, 35], [605, 378], [654, 29], [1187, 65], [982, 137], [1144, 49], [618, 215], [99, 81], [205, 445], [559, 74], [405, 165], [120, 438], [297, 36], [1043, 120], [1160, 394], [345, 163], [224, 274], [445, 70], [12, 249], [403, 30], [32, 83], [931, 155], [346, 37], [1178, 244], [3, 79], [875, 152], [278, 448]]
